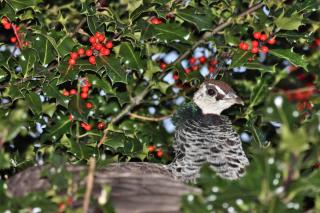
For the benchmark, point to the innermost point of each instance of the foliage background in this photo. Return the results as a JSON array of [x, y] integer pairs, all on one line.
[[279, 128]]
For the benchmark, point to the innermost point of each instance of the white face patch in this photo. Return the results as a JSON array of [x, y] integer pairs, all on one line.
[[210, 104]]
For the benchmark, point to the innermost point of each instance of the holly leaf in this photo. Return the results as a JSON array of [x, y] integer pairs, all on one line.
[[27, 59], [22, 4], [34, 102], [130, 56], [240, 58], [65, 45], [292, 57], [289, 23], [200, 21], [114, 71], [45, 48]]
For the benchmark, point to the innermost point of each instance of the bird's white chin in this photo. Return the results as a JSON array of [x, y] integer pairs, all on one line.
[[215, 108]]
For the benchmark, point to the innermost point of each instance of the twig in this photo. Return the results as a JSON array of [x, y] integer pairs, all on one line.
[[81, 23], [145, 118], [215, 31], [90, 181], [134, 102]]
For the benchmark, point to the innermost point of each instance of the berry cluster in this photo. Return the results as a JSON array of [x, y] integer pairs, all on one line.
[[84, 94], [159, 151], [100, 46], [260, 42], [16, 39], [194, 64]]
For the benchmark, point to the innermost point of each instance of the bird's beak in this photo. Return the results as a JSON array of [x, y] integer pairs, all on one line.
[[238, 100]]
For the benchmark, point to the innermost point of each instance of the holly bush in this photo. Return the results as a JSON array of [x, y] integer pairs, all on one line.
[[97, 78]]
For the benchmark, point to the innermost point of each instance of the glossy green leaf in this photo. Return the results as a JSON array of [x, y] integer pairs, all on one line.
[[131, 57], [22, 4], [65, 45], [289, 23], [27, 59], [199, 20], [114, 70], [240, 58], [34, 102], [45, 48], [292, 57]]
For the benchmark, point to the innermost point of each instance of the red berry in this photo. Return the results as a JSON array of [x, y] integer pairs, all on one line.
[[244, 46], [176, 76], [264, 49], [101, 38], [4, 20], [81, 51], [195, 68], [86, 126], [163, 66], [254, 50], [151, 148], [92, 60], [192, 60], [212, 69], [13, 39], [70, 117], [187, 70], [66, 93], [257, 35], [85, 89], [97, 34], [88, 53], [263, 37], [73, 92], [272, 41], [202, 59], [7, 26], [85, 83], [104, 51], [84, 95], [17, 28], [213, 61], [155, 20], [98, 46], [101, 125], [254, 43], [92, 39], [317, 41], [73, 55], [159, 153], [72, 61], [89, 105], [25, 43], [109, 44]]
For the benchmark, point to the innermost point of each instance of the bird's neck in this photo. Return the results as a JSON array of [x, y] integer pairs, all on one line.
[[185, 112]]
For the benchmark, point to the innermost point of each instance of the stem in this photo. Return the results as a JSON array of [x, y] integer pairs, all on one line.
[[90, 181], [145, 118], [81, 23], [215, 31]]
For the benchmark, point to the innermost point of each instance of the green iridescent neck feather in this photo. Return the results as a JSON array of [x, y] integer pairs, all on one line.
[[185, 112]]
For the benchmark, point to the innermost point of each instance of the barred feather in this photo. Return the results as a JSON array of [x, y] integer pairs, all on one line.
[[208, 138]]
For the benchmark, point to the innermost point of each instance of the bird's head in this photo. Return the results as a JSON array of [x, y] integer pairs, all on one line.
[[215, 96]]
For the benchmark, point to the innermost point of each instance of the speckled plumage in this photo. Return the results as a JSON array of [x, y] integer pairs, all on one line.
[[211, 139]]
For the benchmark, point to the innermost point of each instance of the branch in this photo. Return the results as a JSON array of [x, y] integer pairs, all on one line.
[[90, 181], [135, 101], [81, 23], [215, 31], [145, 118]]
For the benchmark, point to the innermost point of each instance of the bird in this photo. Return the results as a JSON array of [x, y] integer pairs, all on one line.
[[203, 136]]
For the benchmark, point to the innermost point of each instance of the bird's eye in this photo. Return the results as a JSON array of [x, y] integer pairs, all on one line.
[[211, 92]]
